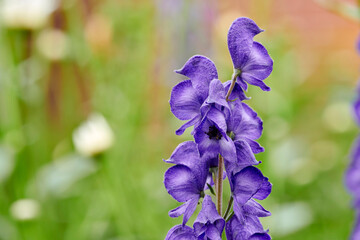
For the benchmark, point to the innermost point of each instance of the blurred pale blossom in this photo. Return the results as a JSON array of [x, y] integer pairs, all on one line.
[[26, 14], [25, 209], [93, 136], [337, 117], [288, 218], [52, 44], [56, 178]]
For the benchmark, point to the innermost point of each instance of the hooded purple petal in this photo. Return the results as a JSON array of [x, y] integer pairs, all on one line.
[[258, 67], [201, 70], [184, 101], [240, 40], [180, 232]]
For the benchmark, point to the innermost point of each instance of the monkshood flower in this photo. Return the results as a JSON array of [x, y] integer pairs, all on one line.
[[186, 181], [252, 63], [181, 232], [209, 224], [249, 229], [211, 136], [225, 133], [244, 127], [188, 96], [245, 185]]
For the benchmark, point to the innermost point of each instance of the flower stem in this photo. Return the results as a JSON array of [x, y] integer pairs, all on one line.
[[228, 207], [219, 189], [233, 81]]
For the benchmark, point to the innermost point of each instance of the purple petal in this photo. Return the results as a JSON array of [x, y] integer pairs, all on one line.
[[260, 236], [227, 149], [254, 208], [201, 70], [184, 101], [259, 66], [237, 92], [356, 232], [240, 40], [357, 110], [180, 232], [246, 183], [245, 122], [195, 121], [208, 148], [208, 215], [243, 229], [217, 93], [185, 153], [245, 155], [181, 183], [213, 233], [255, 146], [264, 190], [352, 176], [190, 209], [218, 118]]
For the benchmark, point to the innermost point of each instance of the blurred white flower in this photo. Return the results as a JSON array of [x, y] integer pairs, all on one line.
[[25, 209], [52, 44], [26, 14], [93, 136], [58, 177]]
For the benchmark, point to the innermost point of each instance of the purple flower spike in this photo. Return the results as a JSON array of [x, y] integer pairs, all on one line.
[[251, 60], [180, 232], [201, 70], [225, 134], [209, 224]]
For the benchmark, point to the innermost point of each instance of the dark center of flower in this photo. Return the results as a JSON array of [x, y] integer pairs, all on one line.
[[214, 133]]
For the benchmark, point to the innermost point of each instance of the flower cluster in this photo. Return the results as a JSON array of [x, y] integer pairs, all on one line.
[[353, 172], [225, 133]]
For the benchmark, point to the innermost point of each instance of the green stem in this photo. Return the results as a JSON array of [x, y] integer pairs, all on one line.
[[228, 207]]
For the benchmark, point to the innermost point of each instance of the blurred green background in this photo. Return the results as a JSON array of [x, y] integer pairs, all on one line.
[[85, 120]]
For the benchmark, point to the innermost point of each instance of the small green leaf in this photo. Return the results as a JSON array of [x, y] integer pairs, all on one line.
[[211, 189]]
